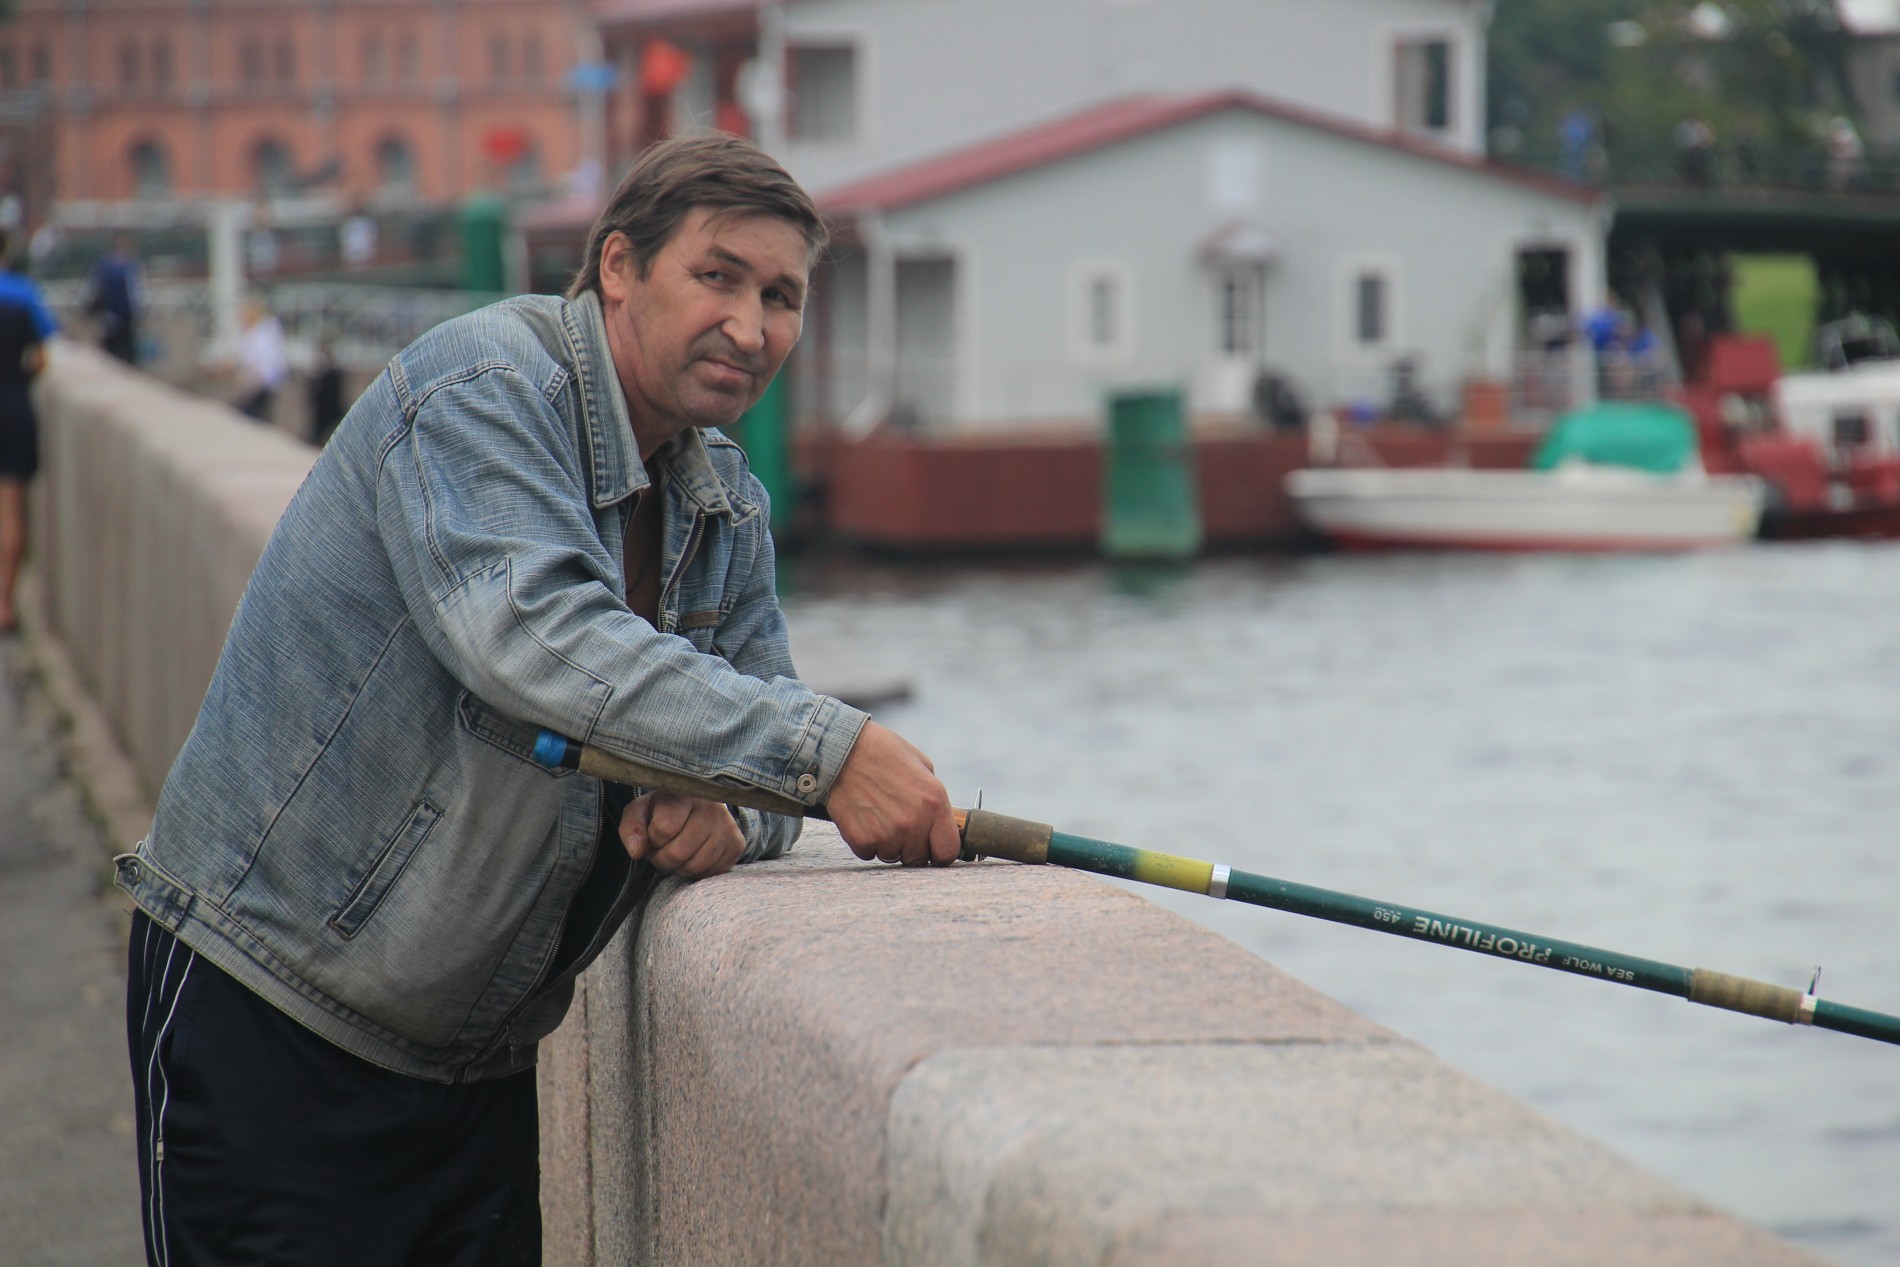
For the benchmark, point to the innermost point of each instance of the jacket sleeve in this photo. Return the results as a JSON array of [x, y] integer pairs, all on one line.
[[483, 506]]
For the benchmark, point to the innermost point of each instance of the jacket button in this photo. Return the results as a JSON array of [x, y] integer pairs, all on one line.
[[807, 784]]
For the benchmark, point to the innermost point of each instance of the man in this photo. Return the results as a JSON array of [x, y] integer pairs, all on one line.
[[118, 286], [362, 902], [25, 325]]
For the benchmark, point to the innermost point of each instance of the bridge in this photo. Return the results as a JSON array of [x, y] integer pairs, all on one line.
[[1678, 216]]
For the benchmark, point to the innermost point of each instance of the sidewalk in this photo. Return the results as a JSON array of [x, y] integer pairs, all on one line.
[[68, 1180]]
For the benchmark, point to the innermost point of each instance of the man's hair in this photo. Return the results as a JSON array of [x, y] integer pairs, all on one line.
[[716, 170]]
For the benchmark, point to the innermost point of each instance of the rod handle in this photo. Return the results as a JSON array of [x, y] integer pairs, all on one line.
[[557, 751], [987, 835], [1743, 994]]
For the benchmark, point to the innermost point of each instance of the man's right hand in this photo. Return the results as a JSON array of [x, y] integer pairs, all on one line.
[[889, 804]]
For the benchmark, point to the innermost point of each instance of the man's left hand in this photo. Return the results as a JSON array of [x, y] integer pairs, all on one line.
[[682, 835]]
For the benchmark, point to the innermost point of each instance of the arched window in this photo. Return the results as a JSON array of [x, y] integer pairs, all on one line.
[[395, 165], [271, 168], [162, 63], [128, 64], [286, 57], [408, 58], [498, 56], [375, 60], [151, 170], [531, 69]]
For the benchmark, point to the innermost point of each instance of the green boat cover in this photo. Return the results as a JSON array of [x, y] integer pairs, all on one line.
[[1644, 435]]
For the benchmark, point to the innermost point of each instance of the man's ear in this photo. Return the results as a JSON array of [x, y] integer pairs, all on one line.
[[617, 269]]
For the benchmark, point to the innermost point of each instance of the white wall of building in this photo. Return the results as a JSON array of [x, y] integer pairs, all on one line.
[[1030, 252], [933, 75]]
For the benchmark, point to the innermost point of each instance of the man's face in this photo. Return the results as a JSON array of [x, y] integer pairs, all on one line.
[[696, 341]]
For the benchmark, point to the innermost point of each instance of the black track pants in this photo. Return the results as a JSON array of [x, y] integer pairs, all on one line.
[[260, 1142]]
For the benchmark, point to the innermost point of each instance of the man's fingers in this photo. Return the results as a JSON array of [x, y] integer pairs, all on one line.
[[692, 838], [633, 827], [945, 844]]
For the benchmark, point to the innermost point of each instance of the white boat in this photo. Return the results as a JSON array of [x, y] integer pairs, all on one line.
[[1611, 476], [1574, 506]]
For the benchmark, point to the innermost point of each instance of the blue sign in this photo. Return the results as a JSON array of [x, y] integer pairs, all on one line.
[[592, 77]]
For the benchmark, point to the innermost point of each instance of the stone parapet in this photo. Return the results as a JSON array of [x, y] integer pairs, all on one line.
[[822, 1061], [151, 512]]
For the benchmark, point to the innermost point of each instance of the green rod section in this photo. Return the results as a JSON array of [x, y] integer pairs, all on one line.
[[1857, 1020], [1382, 917]]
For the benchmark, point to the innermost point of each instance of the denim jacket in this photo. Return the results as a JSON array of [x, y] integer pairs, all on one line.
[[355, 827]]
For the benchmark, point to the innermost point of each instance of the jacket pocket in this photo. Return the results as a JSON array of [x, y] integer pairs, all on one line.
[[389, 865], [516, 738]]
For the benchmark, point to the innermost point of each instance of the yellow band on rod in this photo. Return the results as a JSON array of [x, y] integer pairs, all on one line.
[[1172, 871]]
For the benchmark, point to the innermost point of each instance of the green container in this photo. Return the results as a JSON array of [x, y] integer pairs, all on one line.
[[482, 226], [764, 432], [1150, 505]]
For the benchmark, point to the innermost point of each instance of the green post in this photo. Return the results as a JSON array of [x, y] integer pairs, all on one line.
[[1150, 508], [765, 435], [482, 225]]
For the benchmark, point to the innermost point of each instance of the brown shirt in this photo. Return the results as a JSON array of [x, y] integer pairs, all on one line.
[[642, 556]]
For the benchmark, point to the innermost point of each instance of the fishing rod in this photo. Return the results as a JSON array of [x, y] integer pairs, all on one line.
[[990, 835]]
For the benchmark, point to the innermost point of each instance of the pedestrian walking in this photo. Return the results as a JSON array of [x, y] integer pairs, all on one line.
[[25, 325]]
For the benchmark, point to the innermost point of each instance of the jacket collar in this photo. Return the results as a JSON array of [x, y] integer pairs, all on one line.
[[613, 455]]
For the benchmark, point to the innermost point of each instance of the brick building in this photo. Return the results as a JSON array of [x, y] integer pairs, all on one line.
[[380, 101]]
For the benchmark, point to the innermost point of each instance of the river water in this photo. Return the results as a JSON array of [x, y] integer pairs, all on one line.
[[1692, 759]]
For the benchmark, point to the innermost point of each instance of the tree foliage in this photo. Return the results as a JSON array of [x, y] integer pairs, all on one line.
[[1759, 72]]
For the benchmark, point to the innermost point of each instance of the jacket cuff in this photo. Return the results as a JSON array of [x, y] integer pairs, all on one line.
[[822, 749]]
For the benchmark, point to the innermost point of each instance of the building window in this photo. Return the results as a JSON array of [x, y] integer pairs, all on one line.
[[9, 67], [271, 167], [1101, 311], [42, 62], [375, 61], [286, 59], [395, 166], [531, 68], [151, 170], [1371, 319], [1104, 325], [162, 63], [251, 62], [128, 65], [1423, 75], [408, 59], [498, 57], [824, 93]]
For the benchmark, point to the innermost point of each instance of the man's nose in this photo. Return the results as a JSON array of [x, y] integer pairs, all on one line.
[[745, 324]]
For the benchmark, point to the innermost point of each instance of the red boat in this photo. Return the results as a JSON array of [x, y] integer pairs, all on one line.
[[1827, 443]]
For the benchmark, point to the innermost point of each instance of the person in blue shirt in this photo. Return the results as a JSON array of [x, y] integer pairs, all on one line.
[[25, 325], [118, 282]]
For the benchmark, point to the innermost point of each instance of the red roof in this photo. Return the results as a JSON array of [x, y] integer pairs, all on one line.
[[1130, 117]]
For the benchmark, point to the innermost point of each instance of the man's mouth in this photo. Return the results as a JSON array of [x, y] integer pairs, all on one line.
[[728, 372]]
